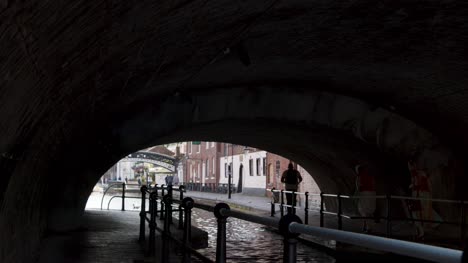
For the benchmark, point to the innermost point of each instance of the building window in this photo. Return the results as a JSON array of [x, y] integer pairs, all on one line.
[[258, 166], [278, 167], [225, 170], [225, 149], [212, 144], [264, 166], [198, 148], [214, 167], [250, 167]]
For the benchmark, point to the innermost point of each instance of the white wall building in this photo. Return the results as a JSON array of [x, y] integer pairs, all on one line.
[[249, 173]]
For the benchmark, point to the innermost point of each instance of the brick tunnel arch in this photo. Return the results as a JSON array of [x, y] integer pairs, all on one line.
[[85, 80], [328, 134]]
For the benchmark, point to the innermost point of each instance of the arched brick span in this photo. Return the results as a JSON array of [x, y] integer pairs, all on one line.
[[327, 83]]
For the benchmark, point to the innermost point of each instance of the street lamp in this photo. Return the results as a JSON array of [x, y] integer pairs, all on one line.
[[230, 170]]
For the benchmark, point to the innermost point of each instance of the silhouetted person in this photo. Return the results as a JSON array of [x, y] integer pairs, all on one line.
[[168, 180], [291, 179]]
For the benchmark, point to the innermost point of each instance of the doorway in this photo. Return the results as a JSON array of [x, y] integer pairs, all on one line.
[[239, 184]]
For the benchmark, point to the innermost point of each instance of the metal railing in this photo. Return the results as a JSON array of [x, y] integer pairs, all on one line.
[[290, 226], [388, 214], [123, 195]]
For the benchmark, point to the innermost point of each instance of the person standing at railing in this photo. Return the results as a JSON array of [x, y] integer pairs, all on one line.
[[365, 188], [291, 179], [421, 188]]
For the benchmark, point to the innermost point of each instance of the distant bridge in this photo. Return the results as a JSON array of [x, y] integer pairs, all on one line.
[[157, 159]]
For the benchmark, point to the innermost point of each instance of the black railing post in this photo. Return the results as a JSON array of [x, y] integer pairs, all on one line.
[[272, 202], [141, 238], [181, 214], [321, 210], [221, 235], [389, 212], [340, 219], [155, 191], [123, 196], [290, 239], [169, 193], [306, 209], [293, 203], [163, 207], [282, 203], [167, 199], [187, 204], [463, 222], [152, 225]]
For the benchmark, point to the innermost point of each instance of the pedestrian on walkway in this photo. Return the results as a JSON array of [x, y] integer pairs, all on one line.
[[291, 179], [420, 188], [365, 189], [168, 180]]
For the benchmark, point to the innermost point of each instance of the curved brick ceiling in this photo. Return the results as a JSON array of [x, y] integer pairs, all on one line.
[[83, 79]]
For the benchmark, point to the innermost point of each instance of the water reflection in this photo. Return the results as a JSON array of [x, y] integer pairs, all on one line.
[[250, 242]]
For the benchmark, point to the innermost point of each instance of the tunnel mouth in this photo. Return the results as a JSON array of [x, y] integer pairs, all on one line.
[[200, 166]]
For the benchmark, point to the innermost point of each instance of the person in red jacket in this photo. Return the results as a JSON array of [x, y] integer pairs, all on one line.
[[365, 186], [421, 188]]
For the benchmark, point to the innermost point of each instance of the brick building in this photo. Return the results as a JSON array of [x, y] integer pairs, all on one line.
[[206, 167], [201, 169]]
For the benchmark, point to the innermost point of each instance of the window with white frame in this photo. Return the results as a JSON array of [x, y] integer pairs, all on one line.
[[214, 167], [258, 166], [264, 166], [251, 167]]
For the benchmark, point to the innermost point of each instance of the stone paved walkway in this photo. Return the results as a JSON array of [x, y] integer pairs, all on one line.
[[106, 236]]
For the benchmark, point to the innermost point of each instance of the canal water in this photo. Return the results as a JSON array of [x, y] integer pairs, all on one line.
[[246, 241], [250, 242]]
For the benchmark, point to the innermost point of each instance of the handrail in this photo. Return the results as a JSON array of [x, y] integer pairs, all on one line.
[[293, 225], [109, 187], [251, 218], [428, 199], [411, 249]]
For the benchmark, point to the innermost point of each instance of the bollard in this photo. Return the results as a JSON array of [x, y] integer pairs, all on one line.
[[282, 203], [340, 219], [290, 239], [321, 209], [389, 226], [141, 238], [306, 209], [272, 214], [152, 225], [187, 204], [123, 196], [221, 235], [167, 229]]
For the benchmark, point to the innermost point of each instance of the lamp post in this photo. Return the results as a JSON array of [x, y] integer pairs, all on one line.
[[231, 169]]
